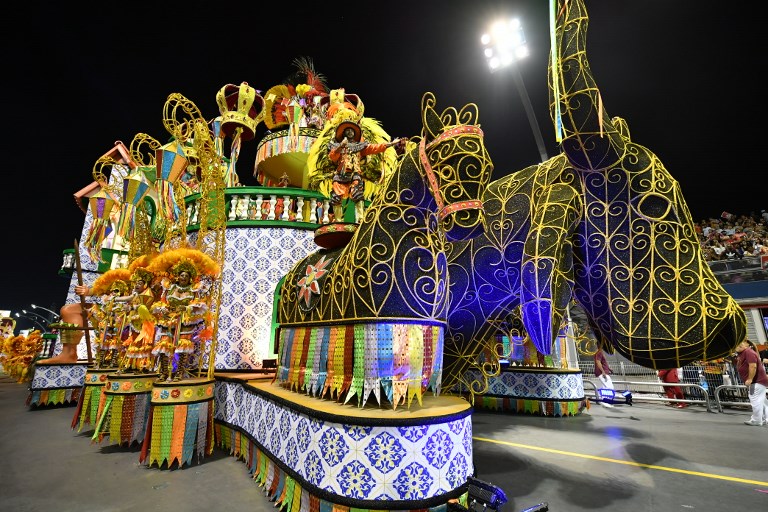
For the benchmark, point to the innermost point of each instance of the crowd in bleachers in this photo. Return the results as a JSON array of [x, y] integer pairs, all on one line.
[[733, 237]]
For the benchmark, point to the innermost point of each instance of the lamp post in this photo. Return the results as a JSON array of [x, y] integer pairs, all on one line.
[[31, 319], [505, 45], [53, 314], [37, 315]]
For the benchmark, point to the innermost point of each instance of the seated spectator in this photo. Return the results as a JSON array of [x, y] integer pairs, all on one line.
[[738, 234], [718, 249], [722, 238]]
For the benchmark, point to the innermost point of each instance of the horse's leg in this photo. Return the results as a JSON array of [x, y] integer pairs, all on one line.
[[547, 264]]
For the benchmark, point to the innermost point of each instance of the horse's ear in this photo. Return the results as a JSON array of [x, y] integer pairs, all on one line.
[[431, 120]]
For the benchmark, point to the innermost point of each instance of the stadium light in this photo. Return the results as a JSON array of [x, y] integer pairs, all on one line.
[[505, 45], [37, 315]]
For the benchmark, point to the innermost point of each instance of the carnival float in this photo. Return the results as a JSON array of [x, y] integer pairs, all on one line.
[[335, 326]]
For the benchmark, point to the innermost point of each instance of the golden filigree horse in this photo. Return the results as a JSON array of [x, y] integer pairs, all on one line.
[[603, 222], [371, 315]]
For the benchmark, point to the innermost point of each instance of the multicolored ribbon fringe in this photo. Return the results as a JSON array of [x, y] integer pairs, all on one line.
[[280, 145], [123, 418], [53, 396], [175, 432], [355, 360], [280, 487], [87, 412], [542, 407]]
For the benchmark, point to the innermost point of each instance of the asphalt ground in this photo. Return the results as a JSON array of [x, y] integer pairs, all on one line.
[[647, 457]]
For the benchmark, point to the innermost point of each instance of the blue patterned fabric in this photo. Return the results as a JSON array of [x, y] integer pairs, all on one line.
[[354, 461]]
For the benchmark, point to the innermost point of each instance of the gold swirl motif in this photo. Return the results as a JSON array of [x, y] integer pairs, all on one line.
[[603, 222], [394, 265], [184, 121]]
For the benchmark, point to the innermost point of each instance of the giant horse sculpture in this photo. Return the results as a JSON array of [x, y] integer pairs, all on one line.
[[371, 315], [603, 222]]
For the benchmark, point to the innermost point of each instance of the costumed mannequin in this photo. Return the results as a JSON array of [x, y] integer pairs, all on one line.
[[181, 311], [110, 316], [7, 326], [138, 353], [72, 323], [348, 151], [349, 158]]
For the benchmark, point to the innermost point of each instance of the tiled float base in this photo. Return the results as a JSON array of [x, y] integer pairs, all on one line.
[[306, 451], [533, 390], [56, 384]]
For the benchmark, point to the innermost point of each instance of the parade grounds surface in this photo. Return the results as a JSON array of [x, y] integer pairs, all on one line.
[[646, 457]]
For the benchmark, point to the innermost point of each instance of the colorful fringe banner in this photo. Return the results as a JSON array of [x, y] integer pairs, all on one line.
[[540, 407], [401, 368], [416, 362], [338, 340], [100, 205], [56, 396], [88, 407], [280, 487], [175, 432], [436, 379], [286, 346], [371, 379], [358, 369], [280, 145], [123, 418], [167, 202], [343, 361], [126, 222], [308, 376]]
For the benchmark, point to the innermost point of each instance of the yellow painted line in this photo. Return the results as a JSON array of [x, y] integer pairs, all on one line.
[[624, 462]]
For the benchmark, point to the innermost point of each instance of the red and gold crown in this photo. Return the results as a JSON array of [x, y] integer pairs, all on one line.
[[240, 107]]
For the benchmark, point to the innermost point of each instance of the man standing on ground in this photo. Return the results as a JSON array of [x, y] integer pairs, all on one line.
[[752, 374], [603, 372]]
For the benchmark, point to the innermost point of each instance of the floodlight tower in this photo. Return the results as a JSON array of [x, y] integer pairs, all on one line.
[[505, 44]]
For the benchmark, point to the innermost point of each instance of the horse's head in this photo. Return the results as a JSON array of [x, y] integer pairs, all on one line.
[[457, 167]]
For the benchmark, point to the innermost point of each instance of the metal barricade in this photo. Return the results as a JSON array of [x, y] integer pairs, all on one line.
[[743, 396], [705, 400]]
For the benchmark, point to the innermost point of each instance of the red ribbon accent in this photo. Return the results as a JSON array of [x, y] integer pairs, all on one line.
[[444, 210]]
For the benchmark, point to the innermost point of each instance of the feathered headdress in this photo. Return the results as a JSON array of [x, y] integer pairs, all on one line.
[[306, 78], [302, 85], [111, 279], [184, 265], [142, 274], [340, 100], [165, 262]]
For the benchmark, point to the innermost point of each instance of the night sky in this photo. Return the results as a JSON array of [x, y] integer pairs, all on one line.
[[681, 72]]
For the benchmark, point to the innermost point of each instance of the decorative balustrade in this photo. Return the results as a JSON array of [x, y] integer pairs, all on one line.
[[267, 206]]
